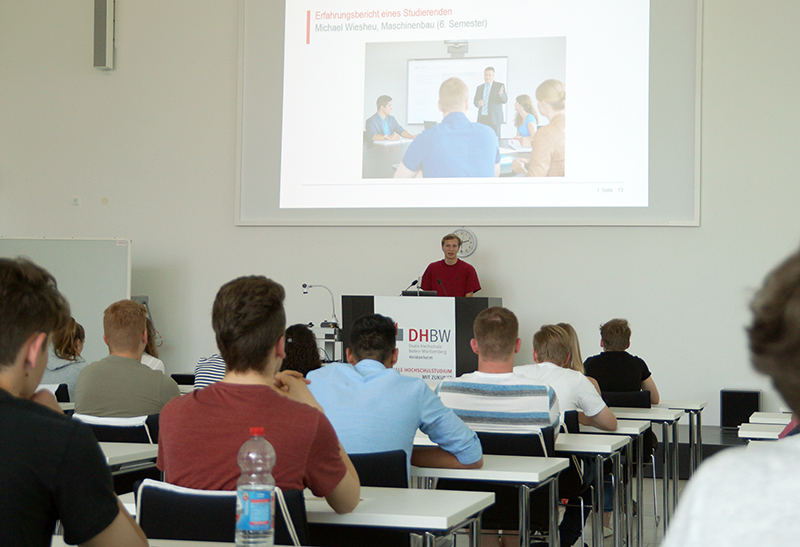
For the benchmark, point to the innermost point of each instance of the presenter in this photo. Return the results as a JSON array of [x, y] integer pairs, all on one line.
[[451, 276], [382, 126], [489, 100]]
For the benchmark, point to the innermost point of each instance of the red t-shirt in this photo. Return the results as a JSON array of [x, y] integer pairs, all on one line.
[[458, 279], [201, 432]]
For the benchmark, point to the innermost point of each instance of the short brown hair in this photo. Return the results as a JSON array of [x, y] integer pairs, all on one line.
[[29, 304], [65, 339], [551, 344], [123, 325], [616, 335], [496, 331], [448, 237], [453, 95], [248, 320], [373, 337], [775, 331]]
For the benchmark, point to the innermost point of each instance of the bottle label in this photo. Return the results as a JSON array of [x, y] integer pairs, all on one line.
[[254, 510]]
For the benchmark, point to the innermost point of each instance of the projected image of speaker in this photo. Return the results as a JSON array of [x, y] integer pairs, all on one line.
[[736, 406]]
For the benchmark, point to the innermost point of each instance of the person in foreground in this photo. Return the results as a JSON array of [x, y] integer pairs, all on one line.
[[373, 408], [120, 385], [382, 126], [52, 467], [455, 147], [451, 276], [495, 398], [750, 496], [200, 433]]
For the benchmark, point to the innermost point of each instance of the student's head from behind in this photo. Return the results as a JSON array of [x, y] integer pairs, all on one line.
[[775, 330], [249, 322], [488, 74], [453, 96], [124, 327], [552, 93], [31, 308], [384, 102], [68, 341], [302, 353], [153, 339], [575, 359], [551, 344], [615, 335], [496, 332], [373, 337]]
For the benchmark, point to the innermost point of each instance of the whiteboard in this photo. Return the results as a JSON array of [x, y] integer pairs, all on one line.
[[91, 274]]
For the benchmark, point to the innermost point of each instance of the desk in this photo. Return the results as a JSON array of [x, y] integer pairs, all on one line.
[[432, 512], [633, 429], [67, 406], [601, 447], [126, 457], [775, 418], [184, 389], [666, 417], [529, 472], [760, 431], [693, 409]]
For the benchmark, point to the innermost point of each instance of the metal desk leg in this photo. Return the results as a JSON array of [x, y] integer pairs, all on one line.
[[628, 484], [640, 491], [616, 477], [699, 446], [475, 531], [524, 516], [692, 442], [597, 525], [676, 472], [666, 472], [428, 539], [554, 539]]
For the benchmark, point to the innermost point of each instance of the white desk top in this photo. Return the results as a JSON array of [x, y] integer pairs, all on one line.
[[682, 404], [583, 443], [185, 388], [777, 418], [785, 409], [58, 541], [760, 431], [624, 427], [654, 414], [67, 406], [125, 453], [408, 508], [516, 469]]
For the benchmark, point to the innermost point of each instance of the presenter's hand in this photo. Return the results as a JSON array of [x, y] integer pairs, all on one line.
[[46, 398], [480, 103], [502, 89]]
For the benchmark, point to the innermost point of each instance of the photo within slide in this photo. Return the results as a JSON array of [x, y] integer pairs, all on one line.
[[465, 106]]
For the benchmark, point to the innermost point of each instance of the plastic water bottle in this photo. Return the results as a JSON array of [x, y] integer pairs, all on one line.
[[255, 492]]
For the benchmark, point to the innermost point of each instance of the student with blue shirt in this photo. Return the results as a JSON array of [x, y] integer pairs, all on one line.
[[373, 408], [455, 147], [382, 126]]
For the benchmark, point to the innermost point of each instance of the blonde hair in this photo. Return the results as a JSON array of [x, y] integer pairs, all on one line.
[[123, 325], [551, 344], [552, 92], [575, 360], [453, 94]]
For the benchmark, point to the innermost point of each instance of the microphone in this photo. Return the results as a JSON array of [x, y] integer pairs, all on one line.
[[412, 284], [439, 281]]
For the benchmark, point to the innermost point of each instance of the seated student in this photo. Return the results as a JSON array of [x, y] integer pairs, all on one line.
[[120, 385], [617, 370], [743, 496], [150, 355], [209, 370], [456, 147], [200, 433], [302, 352], [526, 120], [65, 362], [53, 468], [382, 126], [374, 408], [548, 146]]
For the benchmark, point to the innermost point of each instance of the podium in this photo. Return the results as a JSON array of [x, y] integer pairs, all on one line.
[[433, 335]]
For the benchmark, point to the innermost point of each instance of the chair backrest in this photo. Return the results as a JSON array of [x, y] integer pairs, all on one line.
[[630, 399], [166, 511], [120, 430], [387, 469], [571, 421], [60, 391], [519, 444], [183, 379]]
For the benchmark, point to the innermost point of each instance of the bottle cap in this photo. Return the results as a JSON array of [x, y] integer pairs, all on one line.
[[256, 431]]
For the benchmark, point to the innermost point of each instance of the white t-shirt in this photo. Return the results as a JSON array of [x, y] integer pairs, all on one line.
[[152, 362], [574, 390], [741, 496]]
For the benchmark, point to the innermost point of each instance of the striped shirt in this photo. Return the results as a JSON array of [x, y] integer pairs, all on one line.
[[209, 370], [501, 403]]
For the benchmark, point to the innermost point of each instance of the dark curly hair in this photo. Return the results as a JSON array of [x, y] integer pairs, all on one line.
[[302, 353]]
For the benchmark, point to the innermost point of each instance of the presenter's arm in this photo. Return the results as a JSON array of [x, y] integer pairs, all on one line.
[[122, 532], [502, 94], [404, 172]]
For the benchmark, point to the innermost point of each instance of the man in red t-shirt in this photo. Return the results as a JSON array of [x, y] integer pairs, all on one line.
[[451, 276]]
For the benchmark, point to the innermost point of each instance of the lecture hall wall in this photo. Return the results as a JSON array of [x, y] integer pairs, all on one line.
[[150, 150]]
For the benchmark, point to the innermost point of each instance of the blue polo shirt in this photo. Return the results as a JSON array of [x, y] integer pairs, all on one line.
[[374, 409], [382, 126], [456, 147]]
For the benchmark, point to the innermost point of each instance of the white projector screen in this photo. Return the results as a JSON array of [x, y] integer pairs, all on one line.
[[632, 110]]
